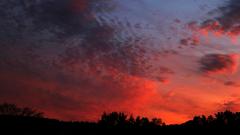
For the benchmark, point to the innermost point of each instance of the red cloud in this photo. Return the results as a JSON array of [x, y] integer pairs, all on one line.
[[79, 95], [216, 28]]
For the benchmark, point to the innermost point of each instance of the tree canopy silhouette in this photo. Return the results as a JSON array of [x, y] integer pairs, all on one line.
[[13, 110], [221, 119], [120, 119]]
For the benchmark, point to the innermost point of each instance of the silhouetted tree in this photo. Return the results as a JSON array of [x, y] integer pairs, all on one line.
[[131, 121], [225, 119], [13, 110], [116, 119], [157, 121], [144, 122], [210, 119], [113, 119]]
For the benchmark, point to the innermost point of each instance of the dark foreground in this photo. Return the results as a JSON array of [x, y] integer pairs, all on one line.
[[18, 125], [27, 121]]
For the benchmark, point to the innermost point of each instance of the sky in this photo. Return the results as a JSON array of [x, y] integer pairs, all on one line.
[[75, 59]]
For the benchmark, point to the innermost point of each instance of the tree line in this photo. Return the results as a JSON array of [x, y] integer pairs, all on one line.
[[12, 116]]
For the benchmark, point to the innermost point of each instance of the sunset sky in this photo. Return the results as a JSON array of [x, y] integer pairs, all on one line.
[[75, 59]]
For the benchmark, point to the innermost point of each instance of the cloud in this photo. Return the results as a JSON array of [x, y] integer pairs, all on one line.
[[67, 33], [232, 83], [218, 63], [59, 59], [76, 96], [189, 41], [226, 21], [163, 80], [231, 104], [51, 20], [230, 16]]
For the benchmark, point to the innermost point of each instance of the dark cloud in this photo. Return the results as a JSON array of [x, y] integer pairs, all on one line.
[[189, 41], [41, 26], [66, 33], [165, 70], [232, 83], [163, 80], [227, 20], [218, 63], [28, 20], [230, 14]]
